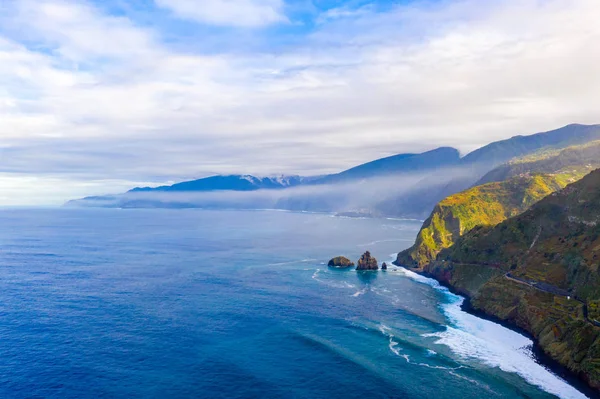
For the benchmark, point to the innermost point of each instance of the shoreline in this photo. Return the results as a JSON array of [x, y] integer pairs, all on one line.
[[576, 380]]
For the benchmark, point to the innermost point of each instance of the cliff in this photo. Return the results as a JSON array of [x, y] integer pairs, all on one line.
[[487, 204], [539, 271]]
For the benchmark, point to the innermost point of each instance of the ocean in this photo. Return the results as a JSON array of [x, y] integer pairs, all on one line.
[[99, 303]]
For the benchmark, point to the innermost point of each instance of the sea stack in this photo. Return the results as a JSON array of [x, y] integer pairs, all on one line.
[[367, 262], [340, 262], [384, 266]]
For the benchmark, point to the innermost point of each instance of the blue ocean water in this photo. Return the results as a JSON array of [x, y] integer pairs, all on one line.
[[232, 304]]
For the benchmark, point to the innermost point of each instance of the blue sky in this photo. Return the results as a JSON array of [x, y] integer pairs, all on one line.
[[97, 96]]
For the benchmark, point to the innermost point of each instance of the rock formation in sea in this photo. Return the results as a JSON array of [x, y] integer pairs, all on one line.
[[367, 262], [341, 262], [384, 266]]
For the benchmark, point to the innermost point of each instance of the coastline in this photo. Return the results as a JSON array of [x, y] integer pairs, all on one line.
[[576, 380]]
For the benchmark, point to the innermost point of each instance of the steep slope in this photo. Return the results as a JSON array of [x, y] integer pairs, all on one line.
[[494, 200], [539, 271], [488, 204]]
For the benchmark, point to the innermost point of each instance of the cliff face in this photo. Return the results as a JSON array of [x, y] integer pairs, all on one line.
[[486, 205], [539, 271]]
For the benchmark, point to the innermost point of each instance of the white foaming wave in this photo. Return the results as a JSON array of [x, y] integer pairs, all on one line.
[[316, 274], [396, 349], [380, 241], [361, 292], [333, 284], [471, 337], [292, 262]]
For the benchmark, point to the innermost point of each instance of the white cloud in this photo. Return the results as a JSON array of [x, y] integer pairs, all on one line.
[[243, 13], [86, 95]]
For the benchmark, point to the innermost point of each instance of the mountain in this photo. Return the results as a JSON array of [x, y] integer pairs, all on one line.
[[475, 165], [539, 271], [526, 181], [403, 163], [502, 151], [229, 183], [406, 185], [579, 159], [318, 199], [488, 204]]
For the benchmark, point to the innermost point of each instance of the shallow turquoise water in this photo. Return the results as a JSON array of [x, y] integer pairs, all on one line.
[[231, 304]]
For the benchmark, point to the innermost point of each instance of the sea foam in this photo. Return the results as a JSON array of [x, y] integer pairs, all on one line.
[[471, 337]]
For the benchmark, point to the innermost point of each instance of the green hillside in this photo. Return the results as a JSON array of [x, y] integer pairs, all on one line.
[[487, 205], [539, 271], [504, 192]]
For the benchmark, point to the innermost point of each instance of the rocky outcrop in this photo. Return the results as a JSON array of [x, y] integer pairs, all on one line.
[[367, 262], [384, 266], [340, 262]]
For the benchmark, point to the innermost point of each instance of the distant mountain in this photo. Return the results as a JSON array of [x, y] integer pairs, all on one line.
[[229, 183], [311, 201], [440, 173], [539, 271], [402, 163]]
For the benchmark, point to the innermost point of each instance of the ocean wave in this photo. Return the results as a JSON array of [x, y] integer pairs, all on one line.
[[470, 337], [397, 350], [381, 241], [292, 262], [333, 284], [361, 292]]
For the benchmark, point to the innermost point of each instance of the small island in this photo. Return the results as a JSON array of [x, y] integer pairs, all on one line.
[[367, 262], [340, 262]]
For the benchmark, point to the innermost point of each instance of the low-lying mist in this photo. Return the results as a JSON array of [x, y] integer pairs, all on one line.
[[406, 195]]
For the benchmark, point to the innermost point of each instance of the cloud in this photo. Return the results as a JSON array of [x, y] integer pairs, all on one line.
[[90, 95], [240, 13]]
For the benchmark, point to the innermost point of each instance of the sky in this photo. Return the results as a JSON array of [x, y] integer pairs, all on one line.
[[98, 96]]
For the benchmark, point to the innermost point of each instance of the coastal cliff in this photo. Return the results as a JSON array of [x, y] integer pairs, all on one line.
[[488, 205], [506, 191], [539, 271]]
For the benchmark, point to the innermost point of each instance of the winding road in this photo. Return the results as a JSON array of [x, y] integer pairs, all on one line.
[[551, 289]]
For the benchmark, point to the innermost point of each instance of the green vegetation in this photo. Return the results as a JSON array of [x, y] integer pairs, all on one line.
[[504, 192], [556, 245], [485, 205]]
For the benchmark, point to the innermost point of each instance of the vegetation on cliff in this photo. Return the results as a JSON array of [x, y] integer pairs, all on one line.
[[484, 205], [540, 271]]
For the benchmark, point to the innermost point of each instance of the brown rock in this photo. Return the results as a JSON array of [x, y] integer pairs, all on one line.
[[367, 262]]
